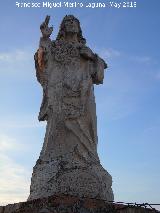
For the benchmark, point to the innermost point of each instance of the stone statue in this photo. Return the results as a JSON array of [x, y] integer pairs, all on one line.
[[67, 71]]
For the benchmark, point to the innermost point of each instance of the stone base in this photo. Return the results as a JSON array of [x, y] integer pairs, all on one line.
[[70, 174], [70, 204]]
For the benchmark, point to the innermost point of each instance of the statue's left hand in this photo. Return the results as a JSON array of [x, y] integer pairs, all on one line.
[[46, 31]]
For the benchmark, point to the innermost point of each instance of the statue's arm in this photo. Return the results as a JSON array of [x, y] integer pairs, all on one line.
[[96, 64], [42, 57], [43, 51], [87, 53], [38, 67], [97, 70]]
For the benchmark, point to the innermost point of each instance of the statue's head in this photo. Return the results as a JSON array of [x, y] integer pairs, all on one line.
[[71, 25]]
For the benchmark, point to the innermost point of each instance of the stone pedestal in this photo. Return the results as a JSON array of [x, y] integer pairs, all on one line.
[[70, 204], [69, 175]]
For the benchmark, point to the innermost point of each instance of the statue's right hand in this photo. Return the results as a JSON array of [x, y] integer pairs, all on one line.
[[46, 31]]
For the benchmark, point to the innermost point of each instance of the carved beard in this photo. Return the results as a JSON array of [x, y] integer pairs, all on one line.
[[71, 27]]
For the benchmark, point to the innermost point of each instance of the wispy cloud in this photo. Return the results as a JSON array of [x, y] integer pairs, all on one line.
[[127, 80], [109, 53], [141, 59], [19, 122], [118, 106], [152, 128], [17, 63], [6, 143], [14, 186], [14, 178], [16, 55], [158, 76]]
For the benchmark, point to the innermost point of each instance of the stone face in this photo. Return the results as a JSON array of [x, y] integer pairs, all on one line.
[[67, 70]]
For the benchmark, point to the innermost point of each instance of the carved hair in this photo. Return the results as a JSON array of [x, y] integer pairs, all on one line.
[[61, 34]]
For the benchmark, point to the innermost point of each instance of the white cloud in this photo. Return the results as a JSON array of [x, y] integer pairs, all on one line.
[[109, 53], [19, 122], [117, 107], [141, 59], [158, 76], [17, 64], [14, 178], [17, 55], [14, 181], [6, 143]]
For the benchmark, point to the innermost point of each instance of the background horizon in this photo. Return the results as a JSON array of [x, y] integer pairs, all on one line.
[[127, 103]]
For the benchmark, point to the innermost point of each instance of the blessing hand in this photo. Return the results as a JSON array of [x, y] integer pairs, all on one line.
[[46, 31]]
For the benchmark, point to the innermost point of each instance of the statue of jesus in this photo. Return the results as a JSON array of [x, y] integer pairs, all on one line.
[[67, 70]]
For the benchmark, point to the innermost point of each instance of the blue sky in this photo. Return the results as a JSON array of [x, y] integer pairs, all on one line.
[[128, 102]]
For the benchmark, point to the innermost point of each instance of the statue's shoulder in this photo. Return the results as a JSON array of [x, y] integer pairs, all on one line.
[[86, 52]]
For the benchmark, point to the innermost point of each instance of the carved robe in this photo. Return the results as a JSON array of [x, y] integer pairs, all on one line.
[[68, 104]]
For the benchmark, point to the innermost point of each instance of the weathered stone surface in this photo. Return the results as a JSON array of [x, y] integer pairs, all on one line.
[[67, 70], [71, 204], [12, 207], [1, 209]]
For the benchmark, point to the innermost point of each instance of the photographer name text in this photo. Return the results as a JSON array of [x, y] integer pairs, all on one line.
[[51, 5]]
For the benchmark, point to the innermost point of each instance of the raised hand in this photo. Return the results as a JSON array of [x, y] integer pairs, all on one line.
[[46, 31]]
